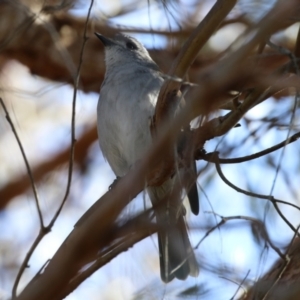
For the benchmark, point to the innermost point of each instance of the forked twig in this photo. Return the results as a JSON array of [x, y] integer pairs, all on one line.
[[46, 229], [270, 198]]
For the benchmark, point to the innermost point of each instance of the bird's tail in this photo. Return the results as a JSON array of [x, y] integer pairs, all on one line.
[[177, 258]]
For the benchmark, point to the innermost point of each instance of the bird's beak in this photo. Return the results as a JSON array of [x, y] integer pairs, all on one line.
[[105, 41]]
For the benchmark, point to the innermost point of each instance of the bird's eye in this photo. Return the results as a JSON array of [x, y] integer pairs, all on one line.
[[131, 46]]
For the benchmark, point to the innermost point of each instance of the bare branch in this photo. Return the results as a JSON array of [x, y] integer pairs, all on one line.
[[29, 172], [73, 140], [45, 230], [291, 139], [260, 196]]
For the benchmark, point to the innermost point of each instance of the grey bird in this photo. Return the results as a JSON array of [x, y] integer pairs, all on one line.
[[127, 102]]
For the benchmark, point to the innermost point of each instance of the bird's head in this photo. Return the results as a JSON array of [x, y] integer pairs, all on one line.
[[124, 49]]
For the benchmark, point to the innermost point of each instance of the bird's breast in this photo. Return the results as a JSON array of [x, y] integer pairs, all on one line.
[[125, 109]]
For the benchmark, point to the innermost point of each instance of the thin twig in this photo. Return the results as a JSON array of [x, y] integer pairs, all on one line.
[[278, 269], [237, 283], [292, 241], [241, 285], [294, 60], [287, 262], [265, 197], [24, 264], [287, 52], [44, 230], [291, 139], [246, 218], [73, 140], [29, 172]]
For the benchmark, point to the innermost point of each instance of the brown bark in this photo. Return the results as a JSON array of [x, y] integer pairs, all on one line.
[[282, 281]]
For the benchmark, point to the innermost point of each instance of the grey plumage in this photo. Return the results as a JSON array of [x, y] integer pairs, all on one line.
[[127, 102]]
